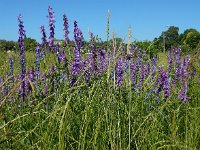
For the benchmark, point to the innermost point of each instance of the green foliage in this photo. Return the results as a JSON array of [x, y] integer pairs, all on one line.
[[192, 39], [101, 116], [142, 44], [30, 44], [168, 38], [8, 45], [171, 37], [189, 40]]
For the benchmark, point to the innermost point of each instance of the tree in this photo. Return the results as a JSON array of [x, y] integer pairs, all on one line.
[[144, 45], [7, 45], [30, 44], [192, 39], [198, 46], [183, 35], [171, 37]]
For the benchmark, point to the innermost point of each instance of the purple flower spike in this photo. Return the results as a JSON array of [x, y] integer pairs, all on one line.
[[102, 61], [90, 64], [169, 59], [187, 60], [138, 61], [153, 68], [22, 55], [44, 37], [119, 72], [11, 65], [183, 92], [142, 75], [93, 52], [61, 56], [37, 62], [133, 73], [51, 18], [178, 63], [164, 82], [183, 70], [77, 64], [88, 67], [31, 75], [177, 56], [66, 28], [46, 88]]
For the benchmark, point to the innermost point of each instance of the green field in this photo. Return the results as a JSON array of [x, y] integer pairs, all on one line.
[[101, 95]]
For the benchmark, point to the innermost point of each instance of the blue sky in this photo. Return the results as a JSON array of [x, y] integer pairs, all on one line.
[[147, 18]]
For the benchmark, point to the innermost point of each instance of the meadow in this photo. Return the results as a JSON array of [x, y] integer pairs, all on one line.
[[114, 97]]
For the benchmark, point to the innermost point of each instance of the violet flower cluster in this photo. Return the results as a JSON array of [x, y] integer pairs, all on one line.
[[51, 18], [183, 93], [119, 72], [44, 37], [177, 63], [142, 76], [133, 73], [66, 29], [77, 64], [102, 61], [22, 55], [170, 61], [37, 62], [164, 82], [11, 61]]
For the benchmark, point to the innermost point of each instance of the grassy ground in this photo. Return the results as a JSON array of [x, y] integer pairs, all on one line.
[[49, 60], [100, 115]]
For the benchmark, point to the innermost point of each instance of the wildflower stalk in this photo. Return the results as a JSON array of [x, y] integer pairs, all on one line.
[[129, 40], [108, 27], [51, 26], [22, 55], [66, 29]]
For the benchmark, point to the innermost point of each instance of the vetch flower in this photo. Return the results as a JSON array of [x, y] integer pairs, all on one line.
[[133, 73], [44, 37], [169, 59], [88, 67], [178, 63], [153, 68], [77, 64], [11, 65], [51, 18], [90, 63], [138, 61], [102, 61], [142, 75], [164, 82], [148, 71], [119, 72], [22, 55], [93, 52], [183, 92], [37, 62], [66, 29]]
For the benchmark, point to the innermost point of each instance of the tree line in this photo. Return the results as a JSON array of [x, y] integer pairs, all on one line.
[[189, 41]]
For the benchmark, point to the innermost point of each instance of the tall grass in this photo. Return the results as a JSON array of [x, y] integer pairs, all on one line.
[[102, 116], [98, 114]]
